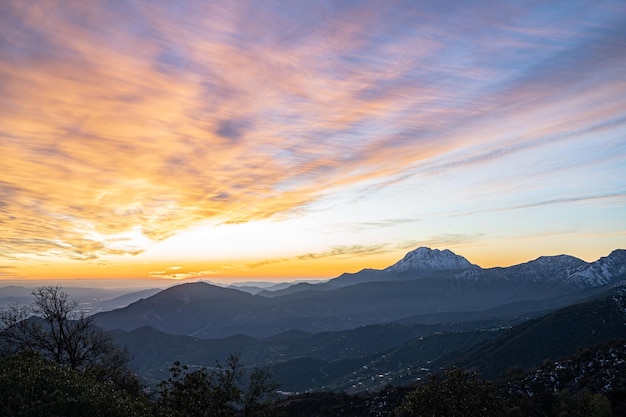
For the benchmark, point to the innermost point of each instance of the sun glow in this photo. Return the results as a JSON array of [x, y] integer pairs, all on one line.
[[183, 141]]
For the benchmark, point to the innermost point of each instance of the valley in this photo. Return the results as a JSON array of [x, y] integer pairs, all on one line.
[[361, 332]]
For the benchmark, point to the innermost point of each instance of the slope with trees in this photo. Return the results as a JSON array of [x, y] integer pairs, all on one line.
[[37, 380], [57, 330], [55, 362]]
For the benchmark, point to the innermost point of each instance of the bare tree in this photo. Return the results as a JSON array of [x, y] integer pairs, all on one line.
[[54, 327]]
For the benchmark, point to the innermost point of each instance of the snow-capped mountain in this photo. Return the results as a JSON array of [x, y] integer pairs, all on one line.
[[600, 272], [548, 266], [426, 286], [565, 269], [426, 259], [542, 269]]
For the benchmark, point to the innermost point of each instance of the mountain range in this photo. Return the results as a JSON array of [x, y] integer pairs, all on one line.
[[372, 357], [426, 283], [361, 331], [562, 270], [90, 299]]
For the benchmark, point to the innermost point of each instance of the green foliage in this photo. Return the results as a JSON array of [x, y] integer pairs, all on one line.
[[592, 382], [30, 386], [68, 367], [256, 398], [458, 394], [215, 392], [540, 393], [584, 404], [332, 404]]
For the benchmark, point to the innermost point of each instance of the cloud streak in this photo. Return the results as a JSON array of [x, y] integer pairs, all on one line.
[[337, 252], [123, 123], [610, 199]]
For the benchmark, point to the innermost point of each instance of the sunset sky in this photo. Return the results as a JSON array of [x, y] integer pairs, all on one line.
[[276, 140]]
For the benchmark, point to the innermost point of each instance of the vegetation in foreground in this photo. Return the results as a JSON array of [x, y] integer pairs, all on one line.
[[57, 363], [591, 383]]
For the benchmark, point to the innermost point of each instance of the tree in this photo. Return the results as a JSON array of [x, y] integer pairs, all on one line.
[[33, 387], [261, 388], [56, 329], [459, 394], [583, 404], [215, 392]]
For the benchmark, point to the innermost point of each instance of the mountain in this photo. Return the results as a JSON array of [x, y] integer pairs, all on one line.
[[544, 268], [405, 363], [250, 289], [207, 311], [191, 308], [561, 270], [124, 300], [426, 259], [12, 294], [590, 383], [599, 368], [419, 262], [90, 299], [421, 284], [370, 357], [560, 333], [363, 350], [601, 272], [565, 270], [364, 275], [299, 287], [256, 287]]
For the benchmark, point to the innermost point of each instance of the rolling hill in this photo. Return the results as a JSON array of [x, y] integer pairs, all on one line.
[[370, 357]]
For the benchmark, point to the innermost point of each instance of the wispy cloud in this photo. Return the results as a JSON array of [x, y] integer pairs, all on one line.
[[7, 271], [508, 148], [346, 251], [602, 197], [340, 252], [123, 123], [449, 240], [178, 274], [616, 199], [366, 225]]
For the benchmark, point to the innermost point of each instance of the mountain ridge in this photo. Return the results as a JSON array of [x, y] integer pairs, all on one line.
[[354, 360], [207, 311], [560, 269]]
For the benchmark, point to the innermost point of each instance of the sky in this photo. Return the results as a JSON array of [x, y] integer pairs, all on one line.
[[280, 140]]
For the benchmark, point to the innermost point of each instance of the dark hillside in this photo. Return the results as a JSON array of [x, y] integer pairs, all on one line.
[[555, 335]]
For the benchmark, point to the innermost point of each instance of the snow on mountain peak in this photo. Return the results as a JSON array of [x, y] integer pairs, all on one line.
[[426, 259], [600, 272], [559, 270], [548, 268]]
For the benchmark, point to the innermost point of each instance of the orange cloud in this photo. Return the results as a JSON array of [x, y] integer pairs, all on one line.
[[126, 123]]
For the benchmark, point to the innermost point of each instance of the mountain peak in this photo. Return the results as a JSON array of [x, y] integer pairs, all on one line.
[[601, 272], [548, 267], [200, 290], [426, 259], [573, 271], [618, 255]]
